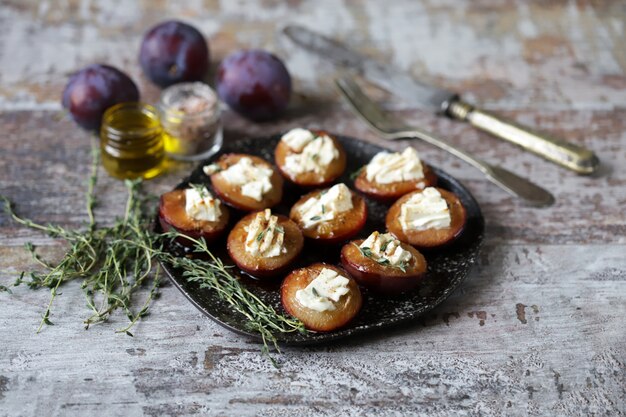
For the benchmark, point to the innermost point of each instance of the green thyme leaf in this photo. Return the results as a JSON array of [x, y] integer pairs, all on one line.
[[356, 173], [365, 251], [260, 235], [314, 291], [200, 189], [19, 279], [315, 218], [383, 247], [46, 316]]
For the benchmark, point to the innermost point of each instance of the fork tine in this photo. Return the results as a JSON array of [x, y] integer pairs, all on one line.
[[364, 106]]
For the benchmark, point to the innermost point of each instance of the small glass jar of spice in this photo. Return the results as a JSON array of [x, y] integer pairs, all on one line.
[[190, 115]]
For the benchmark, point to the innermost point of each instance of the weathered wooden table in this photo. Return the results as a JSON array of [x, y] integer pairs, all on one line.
[[537, 329]]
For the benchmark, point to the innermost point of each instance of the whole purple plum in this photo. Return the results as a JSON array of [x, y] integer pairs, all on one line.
[[172, 52], [254, 83], [95, 88]]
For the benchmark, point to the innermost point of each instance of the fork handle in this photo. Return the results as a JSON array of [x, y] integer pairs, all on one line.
[[568, 155], [503, 178]]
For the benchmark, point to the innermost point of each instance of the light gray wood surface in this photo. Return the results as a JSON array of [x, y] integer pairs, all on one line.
[[537, 329]]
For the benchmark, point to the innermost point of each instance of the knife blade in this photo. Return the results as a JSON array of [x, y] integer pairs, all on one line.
[[443, 102], [388, 77]]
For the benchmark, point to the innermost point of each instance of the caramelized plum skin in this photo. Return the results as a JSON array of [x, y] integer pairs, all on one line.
[[346, 308], [345, 226], [388, 279], [254, 83], [264, 267], [429, 238], [232, 196], [93, 89], [388, 193], [172, 52], [312, 179], [172, 216]]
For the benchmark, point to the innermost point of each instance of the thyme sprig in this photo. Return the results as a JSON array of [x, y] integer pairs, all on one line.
[[367, 253], [114, 263], [111, 273], [212, 274]]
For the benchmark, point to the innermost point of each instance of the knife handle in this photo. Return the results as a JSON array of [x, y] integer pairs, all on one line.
[[568, 155]]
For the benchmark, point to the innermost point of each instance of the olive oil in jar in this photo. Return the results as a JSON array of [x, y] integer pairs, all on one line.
[[131, 141]]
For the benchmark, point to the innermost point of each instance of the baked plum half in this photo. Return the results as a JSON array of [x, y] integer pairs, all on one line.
[[322, 296], [264, 244], [427, 219], [193, 212], [389, 175], [310, 158], [331, 216], [245, 182], [384, 264]]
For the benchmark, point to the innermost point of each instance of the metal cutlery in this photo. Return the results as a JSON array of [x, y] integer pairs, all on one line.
[[389, 128], [441, 101]]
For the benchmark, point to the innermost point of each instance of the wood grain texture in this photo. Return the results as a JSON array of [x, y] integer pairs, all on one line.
[[537, 329]]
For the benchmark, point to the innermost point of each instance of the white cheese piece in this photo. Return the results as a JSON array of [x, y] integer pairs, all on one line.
[[326, 205], [386, 248], [201, 205], [387, 167], [265, 237], [296, 139], [314, 155], [327, 287], [211, 169], [425, 210], [254, 180]]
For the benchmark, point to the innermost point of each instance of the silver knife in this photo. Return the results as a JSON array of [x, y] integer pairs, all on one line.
[[568, 155]]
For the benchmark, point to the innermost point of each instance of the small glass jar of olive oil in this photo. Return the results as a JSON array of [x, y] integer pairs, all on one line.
[[131, 141]]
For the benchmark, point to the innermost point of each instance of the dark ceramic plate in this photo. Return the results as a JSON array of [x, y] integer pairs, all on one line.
[[446, 268]]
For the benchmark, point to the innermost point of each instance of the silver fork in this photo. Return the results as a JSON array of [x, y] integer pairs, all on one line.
[[389, 128]]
